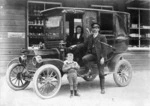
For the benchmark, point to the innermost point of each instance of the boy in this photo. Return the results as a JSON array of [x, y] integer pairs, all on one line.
[[71, 67]]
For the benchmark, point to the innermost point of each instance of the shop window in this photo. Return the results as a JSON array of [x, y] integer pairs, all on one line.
[[36, 21], [140, 27]]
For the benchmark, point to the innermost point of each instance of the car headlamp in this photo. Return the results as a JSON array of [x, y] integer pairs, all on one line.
[[22, 58], [36, 59]]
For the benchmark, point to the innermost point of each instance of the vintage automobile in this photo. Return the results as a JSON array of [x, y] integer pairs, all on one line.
[[43, 66]]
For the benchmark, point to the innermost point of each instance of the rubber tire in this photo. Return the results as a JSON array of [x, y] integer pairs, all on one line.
[[120, 84], [8, 78], [37, 73]]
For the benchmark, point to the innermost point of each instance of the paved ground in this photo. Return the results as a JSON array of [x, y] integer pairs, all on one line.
[[135, 94]]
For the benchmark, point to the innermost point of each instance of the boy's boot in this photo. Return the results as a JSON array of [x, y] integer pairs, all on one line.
[[71, 93], [76, 93]]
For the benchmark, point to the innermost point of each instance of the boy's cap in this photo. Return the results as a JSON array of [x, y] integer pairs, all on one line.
[[95, 25], [69, 54]]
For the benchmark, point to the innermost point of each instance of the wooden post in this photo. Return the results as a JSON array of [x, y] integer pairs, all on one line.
[[139, 25]]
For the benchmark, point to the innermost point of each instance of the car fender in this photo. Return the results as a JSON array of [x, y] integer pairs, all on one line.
[[112, 63], [56, 62], [14, 60]]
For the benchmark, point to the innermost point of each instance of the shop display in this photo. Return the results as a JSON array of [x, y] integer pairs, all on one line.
[[140, 27], [35, 23]]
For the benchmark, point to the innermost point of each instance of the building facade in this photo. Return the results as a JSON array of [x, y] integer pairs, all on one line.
[[21, 21]]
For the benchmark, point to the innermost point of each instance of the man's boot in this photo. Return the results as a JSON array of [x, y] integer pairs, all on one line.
[[102, 84], [102, 91], [71, 93], [76, 93]]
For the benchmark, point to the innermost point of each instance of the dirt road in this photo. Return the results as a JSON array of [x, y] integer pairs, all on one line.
[[135, 94]]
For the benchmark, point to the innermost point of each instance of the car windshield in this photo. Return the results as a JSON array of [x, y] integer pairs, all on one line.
[[53, 22], [52, 27]]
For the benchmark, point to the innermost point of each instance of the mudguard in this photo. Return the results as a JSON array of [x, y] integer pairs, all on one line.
[[56, 62], [14, 60], [112, 63]]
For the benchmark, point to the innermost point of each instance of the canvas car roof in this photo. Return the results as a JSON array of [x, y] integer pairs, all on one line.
[[84, 9]]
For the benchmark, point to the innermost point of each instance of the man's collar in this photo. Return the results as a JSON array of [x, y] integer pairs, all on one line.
[[95, 35]]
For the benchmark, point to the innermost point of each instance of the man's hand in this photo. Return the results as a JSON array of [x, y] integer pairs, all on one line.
[[88, 31], [102, 61], [72, 47]]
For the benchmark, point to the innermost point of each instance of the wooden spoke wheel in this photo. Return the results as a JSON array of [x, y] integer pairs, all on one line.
[[90, 77], [123, 73], [47, 81], [14, 77]]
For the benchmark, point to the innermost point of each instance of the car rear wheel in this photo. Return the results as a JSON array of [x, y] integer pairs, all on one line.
[[123, 73], [90, 77], [15, 78], [47, 81]]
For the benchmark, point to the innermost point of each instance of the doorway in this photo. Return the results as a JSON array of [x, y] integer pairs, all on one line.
[[72, 21]]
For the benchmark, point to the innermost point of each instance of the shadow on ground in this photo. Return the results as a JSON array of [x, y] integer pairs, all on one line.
[[86, 86]]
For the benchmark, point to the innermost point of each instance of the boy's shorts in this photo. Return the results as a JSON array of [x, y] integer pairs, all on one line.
[[72, 78]]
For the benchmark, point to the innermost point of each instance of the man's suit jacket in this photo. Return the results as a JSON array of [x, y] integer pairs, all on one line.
[[101, 49]]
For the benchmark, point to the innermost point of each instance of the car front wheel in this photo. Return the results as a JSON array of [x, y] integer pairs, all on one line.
[[47, 81]]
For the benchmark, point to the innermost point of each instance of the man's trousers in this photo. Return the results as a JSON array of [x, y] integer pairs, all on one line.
[[93, 58]]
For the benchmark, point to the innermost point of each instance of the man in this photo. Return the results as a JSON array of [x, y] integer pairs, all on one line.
[[96, 51]]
